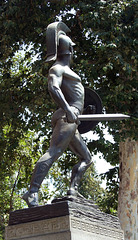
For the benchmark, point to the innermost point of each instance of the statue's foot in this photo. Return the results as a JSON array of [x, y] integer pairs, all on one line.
[[74, 193], [31, 199]]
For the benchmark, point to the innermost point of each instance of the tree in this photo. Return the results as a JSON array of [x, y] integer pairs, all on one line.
[[128, 197], [105, 58]]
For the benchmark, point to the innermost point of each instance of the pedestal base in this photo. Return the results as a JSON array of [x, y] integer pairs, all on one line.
[[75, 222]]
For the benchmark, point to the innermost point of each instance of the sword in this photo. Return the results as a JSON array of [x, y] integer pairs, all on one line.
[[103, 117], [89, 119]]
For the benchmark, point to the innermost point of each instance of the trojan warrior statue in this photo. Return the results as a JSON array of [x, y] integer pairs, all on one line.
[[67, 91]]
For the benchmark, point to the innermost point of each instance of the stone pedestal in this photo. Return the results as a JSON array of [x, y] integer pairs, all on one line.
[[64, 220]]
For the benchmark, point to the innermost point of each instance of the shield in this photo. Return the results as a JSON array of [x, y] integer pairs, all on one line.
[[92, 105]]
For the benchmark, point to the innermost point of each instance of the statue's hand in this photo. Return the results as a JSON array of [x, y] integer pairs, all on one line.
[[90, 109], [72, 116]]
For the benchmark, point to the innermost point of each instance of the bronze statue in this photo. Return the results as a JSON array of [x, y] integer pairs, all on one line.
[[67, 91]]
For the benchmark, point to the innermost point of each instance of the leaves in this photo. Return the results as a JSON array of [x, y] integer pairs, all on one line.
[[105, 57]]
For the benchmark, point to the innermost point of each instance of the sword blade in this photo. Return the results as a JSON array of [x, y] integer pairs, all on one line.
[[103, 117]]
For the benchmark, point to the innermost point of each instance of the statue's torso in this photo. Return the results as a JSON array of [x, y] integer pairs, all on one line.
[[72, 89]]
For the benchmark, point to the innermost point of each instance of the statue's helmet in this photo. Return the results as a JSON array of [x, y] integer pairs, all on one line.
[[58, 43]]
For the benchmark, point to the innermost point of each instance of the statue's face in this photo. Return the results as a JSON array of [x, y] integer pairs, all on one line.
[[65, 45]]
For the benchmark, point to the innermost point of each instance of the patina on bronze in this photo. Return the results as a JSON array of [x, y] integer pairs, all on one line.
[[67, 91]]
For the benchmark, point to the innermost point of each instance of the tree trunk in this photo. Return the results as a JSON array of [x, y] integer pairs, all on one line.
[[128, 191]]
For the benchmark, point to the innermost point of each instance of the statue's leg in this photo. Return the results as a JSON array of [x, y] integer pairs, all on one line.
[[78, 146], [62, 135]]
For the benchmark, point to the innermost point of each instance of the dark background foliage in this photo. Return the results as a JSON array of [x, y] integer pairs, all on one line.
[[105, 57]]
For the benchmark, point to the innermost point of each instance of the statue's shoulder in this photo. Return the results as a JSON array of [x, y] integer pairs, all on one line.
[[57, 69]]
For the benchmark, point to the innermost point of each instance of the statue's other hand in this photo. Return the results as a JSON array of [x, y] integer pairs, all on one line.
[[90, 109]]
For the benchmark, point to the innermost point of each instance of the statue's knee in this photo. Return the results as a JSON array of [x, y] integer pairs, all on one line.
[[59, 152], [89, 160], [55, 153], [45, 161]]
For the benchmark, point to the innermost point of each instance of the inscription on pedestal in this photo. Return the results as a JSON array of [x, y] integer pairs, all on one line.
[[96, 229], [35, 228], [62, 226]]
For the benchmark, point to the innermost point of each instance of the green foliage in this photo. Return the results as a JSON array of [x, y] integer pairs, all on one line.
[[107, 45], [60, 173], [105, 58], [108, 149], [90, 185], [16, 166], [108, 202]]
